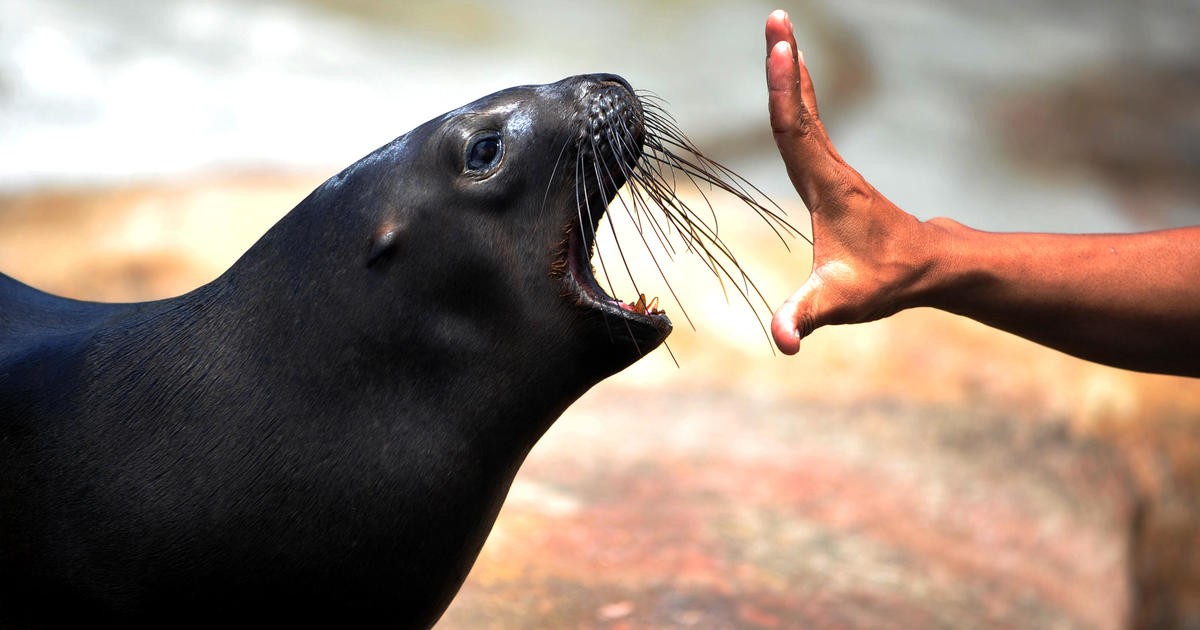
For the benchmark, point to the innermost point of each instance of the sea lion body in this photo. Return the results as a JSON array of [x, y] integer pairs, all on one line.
[[326, 432]]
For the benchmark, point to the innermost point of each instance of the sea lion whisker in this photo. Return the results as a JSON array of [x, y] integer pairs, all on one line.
[[697, 238], [601, 176], [735, 180], [670, 134], [722, 272], [749, 201], [629, 173], [701, 233], [632, 175], [671, 354], [685, 227], [662, 189], [748, 285], [655, 145], [667, 130], [553, 171], [637, 191], [700, 169], [693, 231], [639, 177], [638, 194], [657, 111], [580, 209], [612, 229], [674, 159], [647, 93], [712, 211], [704, 235], [596, 167], [664, 123], [590, 228], [636, 178], [581, 204], [664, 199], [632, 189], [626, 147], [670, 213], [764, 212]]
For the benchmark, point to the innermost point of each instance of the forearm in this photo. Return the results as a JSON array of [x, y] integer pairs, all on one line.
[[1128, 300]]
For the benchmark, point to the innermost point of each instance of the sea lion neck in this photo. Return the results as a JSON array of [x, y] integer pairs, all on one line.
[[316, 321]]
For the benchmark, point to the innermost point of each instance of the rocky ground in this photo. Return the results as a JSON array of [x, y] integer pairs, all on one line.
[[708, 509], [923, 471]]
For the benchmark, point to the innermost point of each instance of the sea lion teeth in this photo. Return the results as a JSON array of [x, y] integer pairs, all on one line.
[[641, 307]]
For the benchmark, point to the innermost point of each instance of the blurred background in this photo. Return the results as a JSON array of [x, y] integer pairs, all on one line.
[[924, 471]]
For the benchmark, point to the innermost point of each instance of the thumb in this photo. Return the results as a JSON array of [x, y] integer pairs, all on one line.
[[798, 317]]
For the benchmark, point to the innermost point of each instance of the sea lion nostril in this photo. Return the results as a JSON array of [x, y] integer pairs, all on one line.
[[611, 81]]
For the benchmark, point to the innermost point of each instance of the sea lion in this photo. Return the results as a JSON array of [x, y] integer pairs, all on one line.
[[325, 433]]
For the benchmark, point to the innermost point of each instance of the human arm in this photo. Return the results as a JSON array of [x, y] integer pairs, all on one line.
[[1129, 300]]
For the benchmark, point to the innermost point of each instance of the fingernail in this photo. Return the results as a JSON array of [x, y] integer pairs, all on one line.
[[787, 19], [800, 53]]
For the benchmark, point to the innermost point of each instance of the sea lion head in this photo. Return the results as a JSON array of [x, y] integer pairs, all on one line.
[[483, 222]]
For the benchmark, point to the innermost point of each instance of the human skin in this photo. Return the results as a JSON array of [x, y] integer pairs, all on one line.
[[1127, 300]]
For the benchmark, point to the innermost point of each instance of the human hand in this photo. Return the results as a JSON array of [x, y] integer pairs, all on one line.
[[867, 253]]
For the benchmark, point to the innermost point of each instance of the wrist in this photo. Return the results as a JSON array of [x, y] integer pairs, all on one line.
[[941, 250]]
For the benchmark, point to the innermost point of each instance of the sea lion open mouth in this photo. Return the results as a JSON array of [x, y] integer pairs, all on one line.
[[627, 141], [607, 149]]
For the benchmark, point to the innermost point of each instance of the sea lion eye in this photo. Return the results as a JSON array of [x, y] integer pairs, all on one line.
[[484, 151]]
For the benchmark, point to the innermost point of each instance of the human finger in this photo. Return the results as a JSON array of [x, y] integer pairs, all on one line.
[[797, 317], [780, 29], [785, 101]]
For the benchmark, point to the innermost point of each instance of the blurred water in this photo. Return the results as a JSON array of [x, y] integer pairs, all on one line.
[[105, 91]]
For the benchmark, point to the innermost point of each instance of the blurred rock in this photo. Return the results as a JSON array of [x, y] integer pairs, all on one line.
[[1134, 127], [707, 509]]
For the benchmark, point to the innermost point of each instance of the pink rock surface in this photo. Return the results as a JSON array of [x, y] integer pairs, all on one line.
[[709, 510]]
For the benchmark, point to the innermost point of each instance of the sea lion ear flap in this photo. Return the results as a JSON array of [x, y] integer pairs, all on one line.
[[383, 242]]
